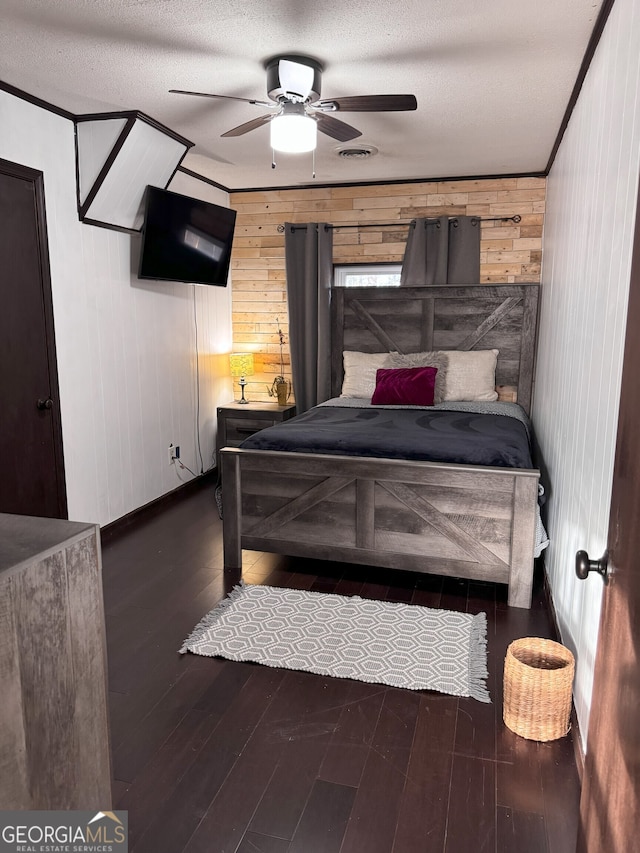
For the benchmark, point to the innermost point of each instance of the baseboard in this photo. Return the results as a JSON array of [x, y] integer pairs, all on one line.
[[143, 513], [576, 737], [549, 600]]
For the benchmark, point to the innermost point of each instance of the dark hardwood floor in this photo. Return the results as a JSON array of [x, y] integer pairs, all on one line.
[[214, 756]]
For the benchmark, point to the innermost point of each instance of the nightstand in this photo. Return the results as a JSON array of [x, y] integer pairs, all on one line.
[[237, 421]]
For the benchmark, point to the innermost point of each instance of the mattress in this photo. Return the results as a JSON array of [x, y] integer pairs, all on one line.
[[475, 434]]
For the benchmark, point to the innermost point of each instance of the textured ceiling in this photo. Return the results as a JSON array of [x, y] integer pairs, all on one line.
[[492, 78]]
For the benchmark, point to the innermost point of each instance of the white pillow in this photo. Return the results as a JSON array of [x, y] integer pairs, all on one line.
[[471, 376], [360, 372], [435, 359]]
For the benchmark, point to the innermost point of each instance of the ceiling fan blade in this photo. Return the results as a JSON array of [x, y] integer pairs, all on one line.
[[226, 97], [335, 128], [248, 125], [369, 103], [295, 78]]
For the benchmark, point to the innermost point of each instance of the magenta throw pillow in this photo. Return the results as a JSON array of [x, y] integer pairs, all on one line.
[[405, 386]]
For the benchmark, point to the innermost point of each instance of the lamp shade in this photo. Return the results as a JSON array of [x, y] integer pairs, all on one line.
[[293, 133], [241, 363]]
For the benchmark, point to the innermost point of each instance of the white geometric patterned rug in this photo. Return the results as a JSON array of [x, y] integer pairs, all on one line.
[[402, 645]]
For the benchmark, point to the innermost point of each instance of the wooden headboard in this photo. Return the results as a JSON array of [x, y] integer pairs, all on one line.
[[436, 317]]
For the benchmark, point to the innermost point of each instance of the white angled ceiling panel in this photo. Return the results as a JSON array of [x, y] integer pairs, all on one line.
[[121, 166], [95, 141]]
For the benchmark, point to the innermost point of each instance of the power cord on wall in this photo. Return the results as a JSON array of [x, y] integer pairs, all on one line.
[[178, 462], [184, 467], [195, 323]]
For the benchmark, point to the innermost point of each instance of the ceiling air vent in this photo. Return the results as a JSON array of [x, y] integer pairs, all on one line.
[[357, 152]]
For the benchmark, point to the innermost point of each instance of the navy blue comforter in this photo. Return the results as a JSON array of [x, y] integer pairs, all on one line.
[[436, 435]]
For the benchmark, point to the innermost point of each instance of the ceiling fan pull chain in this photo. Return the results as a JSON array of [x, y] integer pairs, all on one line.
[[273, 158], [313, 164]]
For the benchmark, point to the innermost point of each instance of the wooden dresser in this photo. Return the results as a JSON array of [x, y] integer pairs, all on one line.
[[54, 732]]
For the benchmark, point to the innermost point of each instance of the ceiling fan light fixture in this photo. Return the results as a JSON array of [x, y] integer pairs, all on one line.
[[293, 87], [293, 132]]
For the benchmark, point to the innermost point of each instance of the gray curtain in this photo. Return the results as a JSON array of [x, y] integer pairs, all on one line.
[[442, 251], [309, 269]]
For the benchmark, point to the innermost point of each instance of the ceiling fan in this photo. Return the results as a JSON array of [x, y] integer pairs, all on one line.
[[294, 86]]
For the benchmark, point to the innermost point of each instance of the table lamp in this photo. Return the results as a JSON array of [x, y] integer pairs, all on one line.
[[241, 364]]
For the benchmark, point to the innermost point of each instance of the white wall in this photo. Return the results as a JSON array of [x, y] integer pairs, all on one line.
[[590, 214], [126, 348]]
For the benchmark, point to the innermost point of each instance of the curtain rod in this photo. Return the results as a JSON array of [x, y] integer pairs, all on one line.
[[410, 224]]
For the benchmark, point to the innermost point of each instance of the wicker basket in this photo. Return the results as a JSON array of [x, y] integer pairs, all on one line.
[[538, 678]]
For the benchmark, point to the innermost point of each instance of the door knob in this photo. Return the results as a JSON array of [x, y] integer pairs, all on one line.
[[584, 566], [44, 404]]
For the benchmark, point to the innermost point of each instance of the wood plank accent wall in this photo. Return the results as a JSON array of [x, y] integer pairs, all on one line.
[[509, 252]]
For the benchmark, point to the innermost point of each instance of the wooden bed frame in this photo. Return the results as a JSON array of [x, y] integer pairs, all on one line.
[[462, 520]]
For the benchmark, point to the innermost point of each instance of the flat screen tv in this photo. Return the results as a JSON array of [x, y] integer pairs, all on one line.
[[185, 239]]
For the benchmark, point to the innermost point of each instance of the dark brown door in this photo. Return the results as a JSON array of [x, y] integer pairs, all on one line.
[[610, 807], [32, 478]]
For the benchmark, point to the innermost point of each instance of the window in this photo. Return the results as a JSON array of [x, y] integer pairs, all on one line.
[[367, 275]]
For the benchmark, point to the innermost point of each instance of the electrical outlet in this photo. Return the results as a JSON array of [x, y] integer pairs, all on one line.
[[174, 453]]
